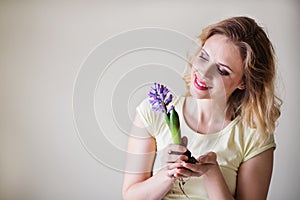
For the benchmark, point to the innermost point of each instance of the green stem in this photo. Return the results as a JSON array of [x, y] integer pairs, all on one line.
[[172, 119]]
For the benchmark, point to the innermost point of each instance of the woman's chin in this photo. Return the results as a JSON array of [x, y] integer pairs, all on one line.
[[198, 94]]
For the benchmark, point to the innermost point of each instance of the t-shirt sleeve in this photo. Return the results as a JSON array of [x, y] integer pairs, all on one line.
[[253, 148], [149, 117]]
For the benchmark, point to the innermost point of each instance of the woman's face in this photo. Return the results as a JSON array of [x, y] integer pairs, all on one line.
[[217, 69]]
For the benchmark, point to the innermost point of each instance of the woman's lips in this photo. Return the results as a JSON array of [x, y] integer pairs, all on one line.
[[200, 85]]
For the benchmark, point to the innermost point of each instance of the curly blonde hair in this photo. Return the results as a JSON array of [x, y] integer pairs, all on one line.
[[257, 103]]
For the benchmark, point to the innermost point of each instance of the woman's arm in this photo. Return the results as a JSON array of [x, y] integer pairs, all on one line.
[[138, 180], [254, 177]]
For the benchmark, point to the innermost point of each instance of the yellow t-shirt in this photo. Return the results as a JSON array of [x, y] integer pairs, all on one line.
[[235, 144]]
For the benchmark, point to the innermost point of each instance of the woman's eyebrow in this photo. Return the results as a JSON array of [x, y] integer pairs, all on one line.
[[205, 52], [223, 65]]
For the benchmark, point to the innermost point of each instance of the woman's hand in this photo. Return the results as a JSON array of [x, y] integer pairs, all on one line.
[[177, 164], [173, 152], [172, 157], [181, 168]]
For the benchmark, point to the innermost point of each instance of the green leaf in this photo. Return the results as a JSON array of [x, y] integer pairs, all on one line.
[[167, 118], [175, 127]]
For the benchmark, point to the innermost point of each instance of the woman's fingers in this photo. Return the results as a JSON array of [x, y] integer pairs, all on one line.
[[177, 165], [184, 141], [172, 169], [181, 168], [209, 158], [172, 158], [195, 169], [184, 172], [174, 153], [172, 166], [205, 162], [176, 170], [176, 148]]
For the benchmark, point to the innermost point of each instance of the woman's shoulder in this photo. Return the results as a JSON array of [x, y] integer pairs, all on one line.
[[250, 139], [241, 128]]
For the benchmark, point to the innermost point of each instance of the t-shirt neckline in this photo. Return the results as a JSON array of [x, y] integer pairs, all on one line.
[[184, 123]]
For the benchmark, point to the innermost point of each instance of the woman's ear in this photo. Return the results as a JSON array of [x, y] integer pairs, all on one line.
[[242, 86]]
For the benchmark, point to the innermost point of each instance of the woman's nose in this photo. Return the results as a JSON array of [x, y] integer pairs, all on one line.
[[205, 70]]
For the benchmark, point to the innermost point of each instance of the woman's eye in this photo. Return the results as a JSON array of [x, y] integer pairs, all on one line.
[[222, 71], [203, 57]]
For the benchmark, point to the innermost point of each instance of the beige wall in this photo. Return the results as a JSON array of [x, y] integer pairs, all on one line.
[[43, 46]]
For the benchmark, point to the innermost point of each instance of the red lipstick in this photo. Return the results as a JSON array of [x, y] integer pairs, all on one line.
[[200, 85]]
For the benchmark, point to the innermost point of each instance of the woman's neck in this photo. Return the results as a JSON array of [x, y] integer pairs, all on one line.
[[205, 115]]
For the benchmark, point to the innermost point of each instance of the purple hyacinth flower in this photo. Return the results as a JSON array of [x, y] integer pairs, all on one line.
[[160, 98]]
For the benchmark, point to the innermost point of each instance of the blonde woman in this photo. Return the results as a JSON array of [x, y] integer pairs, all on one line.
[[228, 119]]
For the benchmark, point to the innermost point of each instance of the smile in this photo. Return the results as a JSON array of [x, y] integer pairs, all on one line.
[[200, 85]]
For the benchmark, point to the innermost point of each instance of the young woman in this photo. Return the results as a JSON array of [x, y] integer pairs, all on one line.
[[227, 119]]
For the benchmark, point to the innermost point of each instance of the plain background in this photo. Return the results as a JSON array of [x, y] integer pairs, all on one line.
[[44, 43]]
